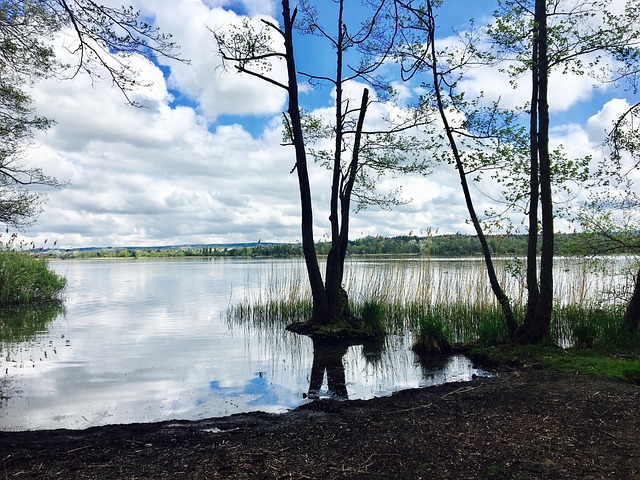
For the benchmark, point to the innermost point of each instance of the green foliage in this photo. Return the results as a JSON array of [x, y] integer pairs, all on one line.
[[591, 327], [26, 280], [457, 245], [105, 37], [24, 28], [584, 335], [582, 37]]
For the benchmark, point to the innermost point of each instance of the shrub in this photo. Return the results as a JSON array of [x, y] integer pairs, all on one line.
[[26, 280]]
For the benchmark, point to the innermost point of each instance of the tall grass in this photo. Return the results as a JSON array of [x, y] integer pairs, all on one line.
[[398, 293], [26, 280], [589, 327]]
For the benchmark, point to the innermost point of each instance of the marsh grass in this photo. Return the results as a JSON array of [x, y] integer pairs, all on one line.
[[397, 294], [27, 280], [372, 315]]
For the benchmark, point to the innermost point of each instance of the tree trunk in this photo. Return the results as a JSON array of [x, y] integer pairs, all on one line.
[[501, 296], [536, 329], [632, 313], [333, 270], [339, 248], [320, 305], [533, 291]]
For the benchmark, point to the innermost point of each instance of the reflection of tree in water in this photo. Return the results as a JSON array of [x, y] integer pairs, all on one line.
[[373, 349], [327, 357], [432, 364], [19, 326], [439, 368]]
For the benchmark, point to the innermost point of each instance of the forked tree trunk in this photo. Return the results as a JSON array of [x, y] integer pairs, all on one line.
[[336, 295], [333, 277]]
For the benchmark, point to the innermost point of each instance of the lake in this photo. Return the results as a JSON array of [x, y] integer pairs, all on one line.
[[149, 340]]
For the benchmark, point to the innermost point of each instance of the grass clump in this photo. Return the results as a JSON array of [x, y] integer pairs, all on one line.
[[372, 315], [26, 280], [433, 336], [272, 313]]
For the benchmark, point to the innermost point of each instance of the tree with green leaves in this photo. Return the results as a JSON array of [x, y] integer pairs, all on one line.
[[355, 154], [590, 38], [531, 37], [610, 218], [485, 138], [103, 38]]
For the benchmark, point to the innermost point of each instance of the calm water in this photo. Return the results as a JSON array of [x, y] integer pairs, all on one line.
[[148, 340]]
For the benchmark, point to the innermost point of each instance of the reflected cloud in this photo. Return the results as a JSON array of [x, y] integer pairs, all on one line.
[[148, 340], [258, 388]]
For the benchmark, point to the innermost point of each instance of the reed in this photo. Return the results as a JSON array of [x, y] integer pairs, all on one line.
[[397, 294], [589, 326], [26, 280], [372, 315]]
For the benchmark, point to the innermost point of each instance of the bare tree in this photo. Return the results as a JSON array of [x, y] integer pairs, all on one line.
[[358, 156]]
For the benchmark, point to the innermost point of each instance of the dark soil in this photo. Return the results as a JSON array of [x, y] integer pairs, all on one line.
[[526, 424]]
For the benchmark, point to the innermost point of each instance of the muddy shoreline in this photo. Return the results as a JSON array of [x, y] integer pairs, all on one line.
[[522, 424]]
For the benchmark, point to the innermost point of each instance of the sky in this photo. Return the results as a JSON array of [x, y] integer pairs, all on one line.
[[203, 163]]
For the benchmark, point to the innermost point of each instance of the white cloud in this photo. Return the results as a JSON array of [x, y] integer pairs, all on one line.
[[170, 174], [601, 123], [565, 91]]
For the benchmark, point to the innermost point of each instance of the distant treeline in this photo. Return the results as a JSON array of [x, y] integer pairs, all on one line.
[[457, 245]]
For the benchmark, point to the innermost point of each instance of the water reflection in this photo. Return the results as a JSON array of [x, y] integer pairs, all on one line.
[[330, 358], [149, 340], [327, 358], [21, 324]]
